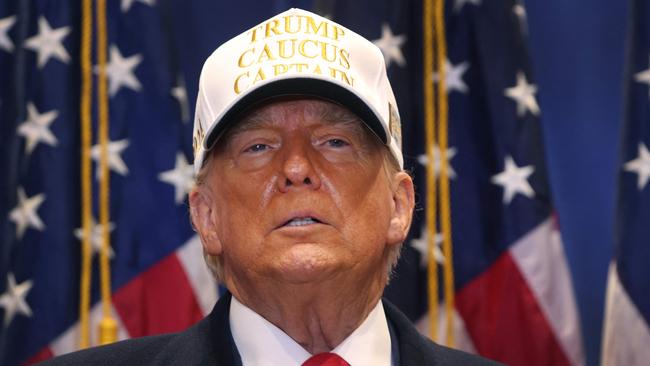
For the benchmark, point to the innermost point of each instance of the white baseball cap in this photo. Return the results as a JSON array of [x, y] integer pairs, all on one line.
[[295, 53]]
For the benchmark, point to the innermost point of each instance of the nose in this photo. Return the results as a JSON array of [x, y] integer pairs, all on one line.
[[298, 169]]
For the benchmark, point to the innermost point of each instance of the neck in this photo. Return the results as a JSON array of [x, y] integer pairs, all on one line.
[[317, 316]]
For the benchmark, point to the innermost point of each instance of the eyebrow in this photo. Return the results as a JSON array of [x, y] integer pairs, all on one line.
[[331, 113]]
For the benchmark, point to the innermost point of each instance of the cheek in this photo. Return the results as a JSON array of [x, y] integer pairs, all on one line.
[[347, 184], [365, 204], [372, 218], [245, 193], [239, 203]]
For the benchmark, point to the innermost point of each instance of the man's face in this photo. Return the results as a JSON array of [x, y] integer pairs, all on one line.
[[298, 192]]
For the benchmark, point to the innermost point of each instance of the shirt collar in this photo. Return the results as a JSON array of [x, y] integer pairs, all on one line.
[[260, 343], [369, 344]]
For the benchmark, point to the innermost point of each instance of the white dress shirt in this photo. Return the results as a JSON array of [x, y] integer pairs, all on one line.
[[260, 343]]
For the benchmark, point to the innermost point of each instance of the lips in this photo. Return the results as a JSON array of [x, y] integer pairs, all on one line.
[[298, 219], [302, 221]]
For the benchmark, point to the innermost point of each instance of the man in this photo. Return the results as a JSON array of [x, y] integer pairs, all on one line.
[[301, 204]]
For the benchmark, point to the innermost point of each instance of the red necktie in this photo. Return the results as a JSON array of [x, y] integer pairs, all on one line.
[[325, 359]]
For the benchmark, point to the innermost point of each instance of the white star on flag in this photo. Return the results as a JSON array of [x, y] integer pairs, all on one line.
[[451, 152], [459, 4], [640, 166], [644, 77], [181, 177], [37, 128], [119, 71], [180, 93], [13, 300], [24, 215], [421, 244], [454, 76], [48, 43], [514, 180], [126, 4], [96, 236], [5, 25], [115, 162], [524, 94], [390, 45]]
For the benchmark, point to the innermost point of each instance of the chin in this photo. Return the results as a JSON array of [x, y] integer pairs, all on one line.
[[307, 263]]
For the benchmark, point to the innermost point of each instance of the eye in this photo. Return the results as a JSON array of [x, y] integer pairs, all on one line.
[[257, 148], [337, 143]]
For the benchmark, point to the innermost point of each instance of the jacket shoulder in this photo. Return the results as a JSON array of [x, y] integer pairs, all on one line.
[[415, 349], [129, 352], [208, 342]]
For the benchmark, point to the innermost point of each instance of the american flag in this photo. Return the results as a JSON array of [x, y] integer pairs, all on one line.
[[160, 283], [626, 333], [514, 297]]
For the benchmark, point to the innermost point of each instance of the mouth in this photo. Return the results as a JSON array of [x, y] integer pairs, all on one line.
[[301, 221]]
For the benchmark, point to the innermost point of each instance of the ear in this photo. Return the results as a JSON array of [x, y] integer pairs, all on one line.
[[204, 219], [402, 213]]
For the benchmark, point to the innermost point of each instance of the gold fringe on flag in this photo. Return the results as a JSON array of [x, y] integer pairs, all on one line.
[[86, 174], [107, 326], [436, 113]]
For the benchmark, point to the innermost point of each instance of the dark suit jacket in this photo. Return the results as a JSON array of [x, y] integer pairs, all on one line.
[[210, 342]]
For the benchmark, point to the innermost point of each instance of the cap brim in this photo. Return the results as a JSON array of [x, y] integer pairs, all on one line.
[[309, 87]]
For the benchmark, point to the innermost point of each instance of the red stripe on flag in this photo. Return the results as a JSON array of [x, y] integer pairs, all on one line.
[[42, 355], [504, 320], [160, 300]]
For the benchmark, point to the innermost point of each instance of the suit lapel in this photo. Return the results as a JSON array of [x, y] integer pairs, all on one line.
[[410, 342], [209, 342], [224, 352]]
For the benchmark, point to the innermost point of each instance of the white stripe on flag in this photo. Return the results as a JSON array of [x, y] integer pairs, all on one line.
[[463, 341], [190, 255], [540, 258], [68, 341], [626, 337]]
